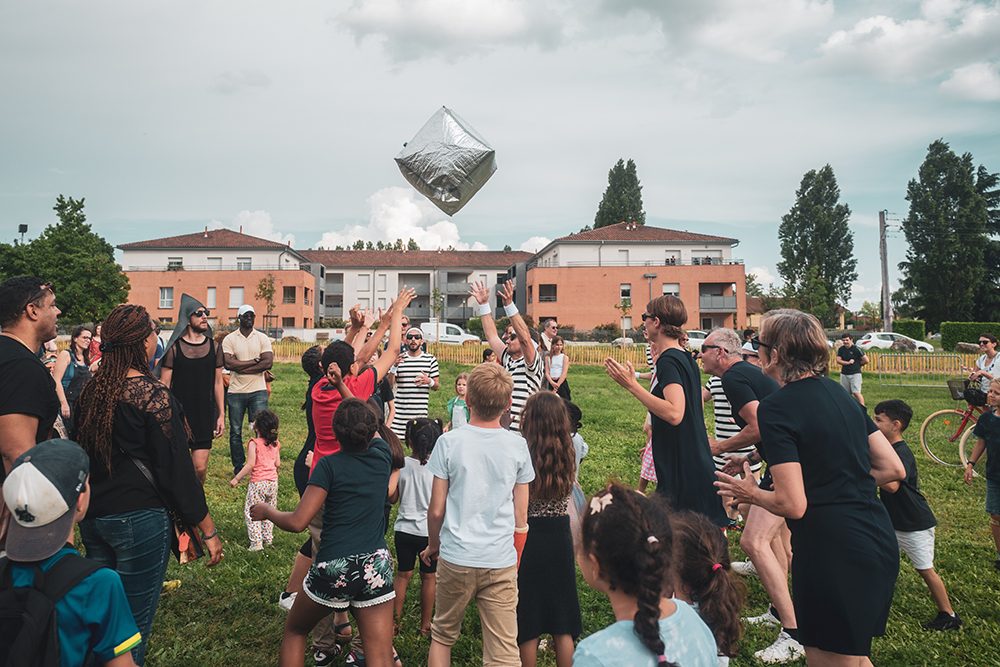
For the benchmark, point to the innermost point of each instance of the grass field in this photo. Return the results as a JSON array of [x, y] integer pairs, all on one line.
[[228, 615]]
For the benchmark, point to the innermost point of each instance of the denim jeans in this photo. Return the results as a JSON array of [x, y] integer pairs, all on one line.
[[240, 405], [136, 545]]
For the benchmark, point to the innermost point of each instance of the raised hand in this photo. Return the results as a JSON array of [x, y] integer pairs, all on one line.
[[369, 318], [406, 295], [480, 292], [506, 292], [356, 315]]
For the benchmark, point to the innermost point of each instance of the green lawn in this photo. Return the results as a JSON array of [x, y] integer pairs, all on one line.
[[228, 615]]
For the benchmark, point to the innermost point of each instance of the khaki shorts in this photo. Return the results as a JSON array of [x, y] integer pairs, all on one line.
[[495, 593]]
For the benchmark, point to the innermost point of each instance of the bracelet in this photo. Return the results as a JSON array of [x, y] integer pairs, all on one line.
[[523, 529], [971, 463], [484, 309], [510, 309], [214, 533]]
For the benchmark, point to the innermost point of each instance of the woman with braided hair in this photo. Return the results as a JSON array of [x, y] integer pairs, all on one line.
[[626, 553], [126, 419], [682, 458]]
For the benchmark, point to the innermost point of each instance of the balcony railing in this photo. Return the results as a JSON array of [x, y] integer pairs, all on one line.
[[708, 303], [670, 261], [214, 267]]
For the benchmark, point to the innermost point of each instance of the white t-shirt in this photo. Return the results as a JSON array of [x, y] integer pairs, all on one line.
[[415, 482], [580, 451], [991, 367], [482, 465], [245, 348], [556, 362]]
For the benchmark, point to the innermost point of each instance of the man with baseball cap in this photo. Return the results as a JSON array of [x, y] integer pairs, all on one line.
[[47, 492], [247, 354]]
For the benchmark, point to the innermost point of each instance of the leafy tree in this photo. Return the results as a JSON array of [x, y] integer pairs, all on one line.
[[265, 292], [398, 245], [622, 199], [817, 246], [507, 248], [358, 245], [80, 264], [625, 307], [871, 312], [754, 288], [369, 246], [412, 245], [946, 227], [987, 308]]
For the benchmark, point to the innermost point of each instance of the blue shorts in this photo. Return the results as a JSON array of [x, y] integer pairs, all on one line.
[[993, 497]]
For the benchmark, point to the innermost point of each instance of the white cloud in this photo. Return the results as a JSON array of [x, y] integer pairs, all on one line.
[[535, 243], [978, 81], [401, 213], [228, 83], [255, 223], [764, 275]]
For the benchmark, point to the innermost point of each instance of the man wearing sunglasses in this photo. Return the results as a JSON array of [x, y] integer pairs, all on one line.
[[417, 374], [515, 348], [247, 354], [192, 368]]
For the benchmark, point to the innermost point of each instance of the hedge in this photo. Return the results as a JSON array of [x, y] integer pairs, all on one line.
[[953, 333], [912, 328]]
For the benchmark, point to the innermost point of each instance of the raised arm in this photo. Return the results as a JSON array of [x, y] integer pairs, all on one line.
[[372, 344], [388, 356], [298, 519], [481, 294], [521, 329]]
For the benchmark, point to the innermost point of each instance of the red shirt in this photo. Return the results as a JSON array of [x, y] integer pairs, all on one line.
[[326, 400]]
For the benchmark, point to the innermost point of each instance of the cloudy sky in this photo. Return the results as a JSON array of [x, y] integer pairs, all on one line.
[[285, 117]]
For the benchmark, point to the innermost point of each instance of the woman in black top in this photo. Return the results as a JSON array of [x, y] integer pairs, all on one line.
[[681, 454], [826, 458], [125, 415]]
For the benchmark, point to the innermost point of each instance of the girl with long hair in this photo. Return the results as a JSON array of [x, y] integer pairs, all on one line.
[[626, 553], [128, 421], [72, 373], [546, 580]]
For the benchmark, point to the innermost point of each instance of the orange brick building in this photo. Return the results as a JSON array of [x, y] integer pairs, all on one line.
[[222, 269], [580, 279]]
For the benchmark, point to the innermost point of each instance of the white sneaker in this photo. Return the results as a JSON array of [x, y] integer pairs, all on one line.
[[784, 649], [767, 618], [286, 600], [744, 567]]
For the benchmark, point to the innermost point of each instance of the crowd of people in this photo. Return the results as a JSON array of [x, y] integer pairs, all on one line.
[[490, 508]]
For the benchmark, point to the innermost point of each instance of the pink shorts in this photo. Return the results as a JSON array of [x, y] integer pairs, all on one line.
[[648, 470]]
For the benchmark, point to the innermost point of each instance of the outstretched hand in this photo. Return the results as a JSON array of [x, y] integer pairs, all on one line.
[[506, 292], [406, 295], [357, 316], [740, 489], [622, 374], [480, 292]]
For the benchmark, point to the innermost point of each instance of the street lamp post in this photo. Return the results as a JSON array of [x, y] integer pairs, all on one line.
[[650, 277]]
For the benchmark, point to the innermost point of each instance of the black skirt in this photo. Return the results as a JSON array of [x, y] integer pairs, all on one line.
[[547, 603]]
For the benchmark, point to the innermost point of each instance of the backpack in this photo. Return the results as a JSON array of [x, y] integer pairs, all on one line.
[[29, 629]]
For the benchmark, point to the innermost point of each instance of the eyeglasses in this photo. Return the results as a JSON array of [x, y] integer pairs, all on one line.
[[201, 312], [710, 347], [756, 343], [985, 342], [509, 337], [413, 337]]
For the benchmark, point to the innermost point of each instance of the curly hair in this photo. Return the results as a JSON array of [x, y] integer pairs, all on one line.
[[354, 424], [265, 423], [701, 557], [421, 436], [631, 539], [545, 425], [310, 362], [123, 348]]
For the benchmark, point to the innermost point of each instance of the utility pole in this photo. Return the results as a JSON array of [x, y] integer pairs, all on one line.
[[884, 257]]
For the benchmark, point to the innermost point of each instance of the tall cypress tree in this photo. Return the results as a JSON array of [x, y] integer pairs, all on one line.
[[946, 230], [622, 201], [987, 306], [817, 245]]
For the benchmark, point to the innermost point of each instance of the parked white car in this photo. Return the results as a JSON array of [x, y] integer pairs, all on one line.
[[882, 340], [696, 338], [450, 333]]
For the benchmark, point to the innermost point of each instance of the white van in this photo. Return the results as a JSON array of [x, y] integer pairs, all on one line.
[[450, 333]]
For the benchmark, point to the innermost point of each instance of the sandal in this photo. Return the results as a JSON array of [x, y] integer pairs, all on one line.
[[357, 658], [343, 637]]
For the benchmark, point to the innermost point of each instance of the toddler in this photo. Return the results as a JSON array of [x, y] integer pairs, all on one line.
[[263, 460]]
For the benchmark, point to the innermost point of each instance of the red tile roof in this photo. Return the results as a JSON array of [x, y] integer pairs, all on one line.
[[422, 259], [755, 305], [625, 231], [212, 238]]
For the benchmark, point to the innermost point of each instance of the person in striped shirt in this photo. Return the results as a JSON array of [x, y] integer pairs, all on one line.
[[417, 374], [516, 349]]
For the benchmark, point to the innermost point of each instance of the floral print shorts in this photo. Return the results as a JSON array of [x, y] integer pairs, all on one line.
[[362, 580]]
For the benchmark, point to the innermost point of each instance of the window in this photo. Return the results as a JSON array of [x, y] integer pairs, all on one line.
[[175, 263], [288, 294], [214, 263], [623, 257], [380, 282], [305, 295], [673, 289], [210, 298], [235, 297], [382, 304], [547, 293], [243, 264], [672, 257], [364, 282], [625, 290], [452, 330], [288, 321], [364, 303], [530, 293], [166, 297]]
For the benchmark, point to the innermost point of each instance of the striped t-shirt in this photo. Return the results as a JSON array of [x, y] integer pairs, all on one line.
[[412, 399], [527, 380], [725, 423]]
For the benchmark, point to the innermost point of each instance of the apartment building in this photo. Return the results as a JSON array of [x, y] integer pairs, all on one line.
[[580, 279], [221, 268], [372, 278]]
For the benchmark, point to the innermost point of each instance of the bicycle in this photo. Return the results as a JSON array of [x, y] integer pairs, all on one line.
[[940, 438]]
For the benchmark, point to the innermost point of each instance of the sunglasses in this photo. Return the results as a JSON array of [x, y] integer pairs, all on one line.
[[201, 312], [756, 343], [710, 347], [647, 316], [985, 342], [413, 337]]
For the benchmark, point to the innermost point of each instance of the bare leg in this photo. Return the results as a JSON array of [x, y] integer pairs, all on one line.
[[529, 652], [938, 591], [199, 457], [995, 529], [859, 398], [439, 655], [305, 614], [819, 658], [564, 650], [428, 588], [399, 585], [299, 571], [760, 531], [375, 627]]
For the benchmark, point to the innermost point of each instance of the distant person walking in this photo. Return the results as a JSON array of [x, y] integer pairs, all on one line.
[[72, 373], [247, 354], [417, 374], [851, 359], [192, 368]]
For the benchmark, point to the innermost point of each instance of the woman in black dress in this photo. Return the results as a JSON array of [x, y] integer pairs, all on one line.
[[826, 458], [681, 454]]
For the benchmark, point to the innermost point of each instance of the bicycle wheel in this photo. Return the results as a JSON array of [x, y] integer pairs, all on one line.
[[965, 446], [939, 436]]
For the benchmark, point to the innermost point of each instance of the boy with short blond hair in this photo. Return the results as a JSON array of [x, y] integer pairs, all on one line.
[[910, 514], [478, 522]]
